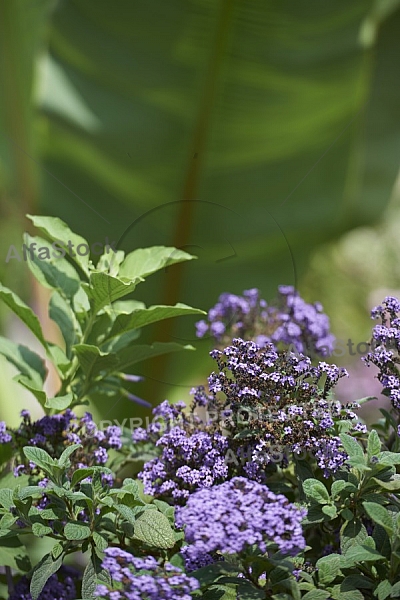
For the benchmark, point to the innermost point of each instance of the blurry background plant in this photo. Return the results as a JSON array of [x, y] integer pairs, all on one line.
[[247, 133]]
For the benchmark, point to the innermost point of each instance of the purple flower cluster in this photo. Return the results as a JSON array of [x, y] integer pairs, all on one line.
[[143, 579], [55, 433], [280, 401], [187, 462], [58, 587], [292, 322], [238, 514], [385, 348]]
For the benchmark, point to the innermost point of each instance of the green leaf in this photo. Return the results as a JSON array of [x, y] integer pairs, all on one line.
[[359, 553], [390, 486], [142, 317], [39, 393], [328, 568], [60, 312], [42, 572], [353, 448], [130, 356], [64, 461], [59, 402], [24, 312], [57, 230], [40, 457], [27, 362], [53, 273], [395, 590], [89, 581], [126, 512], [352, 533], [374, 444], [100, 541], [57, 550], [383, 590], [379, 515], [330, 511], [145, 261], [315, 490], [339, 485], [389, 458], [13, 554], [105, 289], [353, 582], [80, 474], [6, 498], [316, 595], [153, 528], [93, 361], [41, 530], [77, 531]]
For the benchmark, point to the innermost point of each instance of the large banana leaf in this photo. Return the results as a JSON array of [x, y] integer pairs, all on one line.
[[246, 131]]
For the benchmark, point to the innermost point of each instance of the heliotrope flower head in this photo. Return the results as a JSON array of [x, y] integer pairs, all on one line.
[[54, 433], [238, 514], [143, 579], [289, 322], [385, 348]]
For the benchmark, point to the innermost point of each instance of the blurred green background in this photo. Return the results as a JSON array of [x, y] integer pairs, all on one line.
[[262, 136]]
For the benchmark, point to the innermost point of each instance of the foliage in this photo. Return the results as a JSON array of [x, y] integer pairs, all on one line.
[[99, 328], [322, 525]]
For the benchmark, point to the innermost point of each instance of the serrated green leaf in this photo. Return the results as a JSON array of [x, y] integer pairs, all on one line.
[[57, 230], [104, 289], [315, 490], [42, 572], [76, 531], [24, 312], [145, 261], [379, 515], [153, 528]]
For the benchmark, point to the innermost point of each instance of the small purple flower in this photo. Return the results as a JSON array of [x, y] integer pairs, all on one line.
[[5, 437]]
